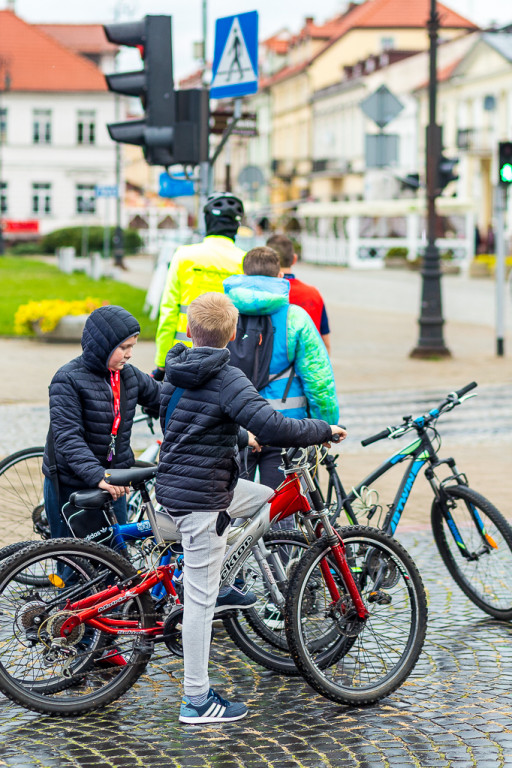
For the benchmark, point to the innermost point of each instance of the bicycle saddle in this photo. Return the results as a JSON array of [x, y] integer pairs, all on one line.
[[134, 476], [93, 499]]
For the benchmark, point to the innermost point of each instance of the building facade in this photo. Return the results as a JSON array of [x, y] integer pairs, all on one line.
[[54, 144]]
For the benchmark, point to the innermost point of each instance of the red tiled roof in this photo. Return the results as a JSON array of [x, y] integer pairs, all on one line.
[[396, 14], [37, 62], [385, 14], [443, 74], [81, 38], [284, 73], [277, 44]]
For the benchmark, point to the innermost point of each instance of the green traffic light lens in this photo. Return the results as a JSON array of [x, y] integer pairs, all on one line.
[[506, 173]]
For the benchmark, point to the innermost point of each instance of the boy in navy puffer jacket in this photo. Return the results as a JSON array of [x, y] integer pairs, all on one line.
[[198, 472], [92, 405]]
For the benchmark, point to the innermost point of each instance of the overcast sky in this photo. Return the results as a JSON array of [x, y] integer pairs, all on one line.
[[187, 15]]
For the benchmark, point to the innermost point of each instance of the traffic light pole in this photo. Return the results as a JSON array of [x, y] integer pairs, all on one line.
[[500, 206], [430, 342]]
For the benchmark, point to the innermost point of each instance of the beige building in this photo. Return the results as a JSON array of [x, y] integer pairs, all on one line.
[[475, 110], [322, 57]]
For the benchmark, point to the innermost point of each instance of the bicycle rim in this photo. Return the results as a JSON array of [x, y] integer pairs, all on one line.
[[39, 668], [21, 491], [486, 576], [371, 658]]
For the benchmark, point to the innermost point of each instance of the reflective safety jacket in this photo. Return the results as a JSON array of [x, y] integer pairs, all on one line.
[[297, 344], [194, 270]]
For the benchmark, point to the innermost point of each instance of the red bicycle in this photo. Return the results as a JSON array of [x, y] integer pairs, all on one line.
[[352, 602]]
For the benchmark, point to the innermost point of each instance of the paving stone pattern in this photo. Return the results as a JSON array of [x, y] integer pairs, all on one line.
[[454, 710], [487, 416]]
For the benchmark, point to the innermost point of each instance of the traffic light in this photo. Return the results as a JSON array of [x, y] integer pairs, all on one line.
[[445, 172], [505, 162], [174, 129]]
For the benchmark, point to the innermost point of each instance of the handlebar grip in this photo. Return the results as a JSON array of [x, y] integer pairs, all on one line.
[[465, 389], [374, 438]]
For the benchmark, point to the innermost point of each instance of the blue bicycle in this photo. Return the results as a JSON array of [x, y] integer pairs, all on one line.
[[472, 536]]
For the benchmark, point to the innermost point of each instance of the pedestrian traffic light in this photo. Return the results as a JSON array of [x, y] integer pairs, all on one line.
[[445, 172], [505, 162], [174, 129]]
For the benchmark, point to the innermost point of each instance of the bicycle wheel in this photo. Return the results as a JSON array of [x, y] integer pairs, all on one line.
[[482, 566], [371, 658], [259, 632], [53, 674], [21, 492]]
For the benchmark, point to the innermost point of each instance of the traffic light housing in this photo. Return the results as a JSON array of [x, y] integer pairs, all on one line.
[[445, 171], [174, 129], [505, 163]]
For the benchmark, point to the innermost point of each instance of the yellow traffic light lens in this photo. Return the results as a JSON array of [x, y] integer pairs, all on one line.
[[506, 173]]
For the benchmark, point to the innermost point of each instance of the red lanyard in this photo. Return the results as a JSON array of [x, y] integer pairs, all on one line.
[[115, 383]]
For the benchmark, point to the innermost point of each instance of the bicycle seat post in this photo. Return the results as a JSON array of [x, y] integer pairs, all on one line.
[[151, 513]]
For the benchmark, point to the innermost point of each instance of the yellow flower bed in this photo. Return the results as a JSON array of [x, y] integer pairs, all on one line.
[[49, 312]]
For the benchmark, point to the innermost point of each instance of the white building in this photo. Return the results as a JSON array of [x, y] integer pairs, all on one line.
[[54, 144]]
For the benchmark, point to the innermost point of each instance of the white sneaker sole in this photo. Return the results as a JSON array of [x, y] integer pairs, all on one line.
[[203, 720], [226, 608]]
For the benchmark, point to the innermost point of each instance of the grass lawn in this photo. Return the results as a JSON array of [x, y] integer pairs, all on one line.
[[23, 280]]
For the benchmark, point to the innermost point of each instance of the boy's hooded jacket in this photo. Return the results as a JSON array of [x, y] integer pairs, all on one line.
[[82, 407], [296, 342], [198, 467]]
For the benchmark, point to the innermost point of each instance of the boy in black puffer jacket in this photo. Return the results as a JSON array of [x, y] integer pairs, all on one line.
[[198, 472], [92, 405]]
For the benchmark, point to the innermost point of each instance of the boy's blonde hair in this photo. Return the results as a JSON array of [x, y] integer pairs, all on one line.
[[212, 320]]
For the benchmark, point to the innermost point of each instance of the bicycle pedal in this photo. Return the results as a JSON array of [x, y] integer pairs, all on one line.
[[379, 597]]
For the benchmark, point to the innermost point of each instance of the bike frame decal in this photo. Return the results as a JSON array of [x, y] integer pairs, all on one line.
[[401, 455], [481, 526], [403, 494]]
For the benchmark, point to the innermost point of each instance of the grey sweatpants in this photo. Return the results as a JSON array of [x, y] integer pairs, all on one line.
[[203, 552]]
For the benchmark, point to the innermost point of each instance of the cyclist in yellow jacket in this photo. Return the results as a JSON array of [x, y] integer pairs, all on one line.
[[197, 269]]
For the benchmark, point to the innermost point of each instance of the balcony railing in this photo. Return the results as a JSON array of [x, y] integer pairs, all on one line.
[[475, 140]]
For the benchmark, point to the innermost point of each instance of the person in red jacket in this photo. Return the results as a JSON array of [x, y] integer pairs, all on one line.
[[302, 294]]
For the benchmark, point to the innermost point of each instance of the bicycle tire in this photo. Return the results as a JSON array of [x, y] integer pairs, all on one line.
[[66, 701], [245, 628], [492, 569], [374, 557], [12, 549], [270, 650], [21, 484]]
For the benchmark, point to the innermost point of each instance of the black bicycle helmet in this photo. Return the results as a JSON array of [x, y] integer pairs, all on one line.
[[224, 204]]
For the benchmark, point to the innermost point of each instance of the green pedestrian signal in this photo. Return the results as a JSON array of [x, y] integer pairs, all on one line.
[[505, 162]]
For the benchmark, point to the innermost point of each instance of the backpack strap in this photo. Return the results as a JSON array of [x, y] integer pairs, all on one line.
[[171, 405], [291, 374]]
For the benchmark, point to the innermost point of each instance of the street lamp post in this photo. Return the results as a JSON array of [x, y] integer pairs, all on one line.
[[430, 342]]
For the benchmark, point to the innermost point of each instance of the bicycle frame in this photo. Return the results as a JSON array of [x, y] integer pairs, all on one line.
[[420, 452], [287, 500]]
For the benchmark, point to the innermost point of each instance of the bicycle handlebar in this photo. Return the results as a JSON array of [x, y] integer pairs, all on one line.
[[379, 436], [453, 399], [467, 388]]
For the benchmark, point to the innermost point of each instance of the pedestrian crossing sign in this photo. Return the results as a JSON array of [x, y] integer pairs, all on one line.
[[235, 57]]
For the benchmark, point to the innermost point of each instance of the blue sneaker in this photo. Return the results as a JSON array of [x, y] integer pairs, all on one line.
[[235, 600], [214, 710]]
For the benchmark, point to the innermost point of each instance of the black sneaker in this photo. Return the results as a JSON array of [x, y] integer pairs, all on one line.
[[214, 710], [235, 600]]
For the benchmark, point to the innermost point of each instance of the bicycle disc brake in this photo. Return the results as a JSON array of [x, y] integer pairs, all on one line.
[[382, 571]]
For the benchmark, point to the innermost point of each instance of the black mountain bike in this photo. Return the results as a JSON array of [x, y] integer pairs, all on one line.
[[472, 536]]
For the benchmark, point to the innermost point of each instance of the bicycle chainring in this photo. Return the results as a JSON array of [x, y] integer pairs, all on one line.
[[172, 632], [55, 623]]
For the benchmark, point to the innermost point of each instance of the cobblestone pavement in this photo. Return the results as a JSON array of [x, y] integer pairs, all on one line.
[[454, 710], [489, 415]]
